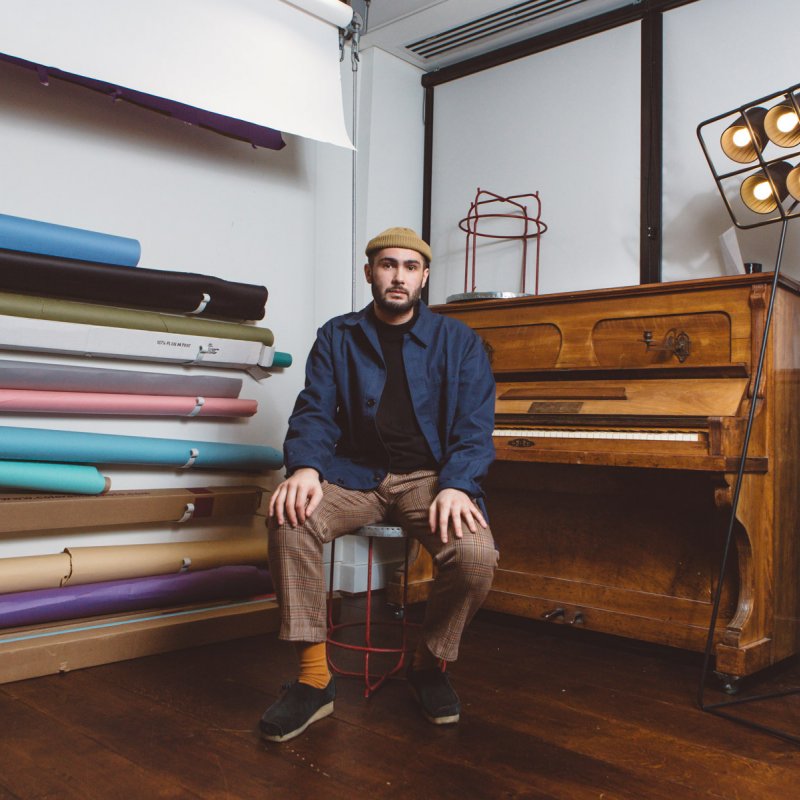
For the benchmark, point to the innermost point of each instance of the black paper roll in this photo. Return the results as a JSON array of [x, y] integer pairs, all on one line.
[[137, 287]]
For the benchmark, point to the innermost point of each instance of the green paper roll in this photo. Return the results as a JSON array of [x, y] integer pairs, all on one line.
[[70, 478], [19, 305]]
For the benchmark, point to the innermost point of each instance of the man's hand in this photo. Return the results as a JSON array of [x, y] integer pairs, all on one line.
[[296, 498], [454, 507]]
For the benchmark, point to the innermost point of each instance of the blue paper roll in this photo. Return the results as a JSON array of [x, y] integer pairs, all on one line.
[[70, 478], [33, 236], [35, 444], [112, 597]]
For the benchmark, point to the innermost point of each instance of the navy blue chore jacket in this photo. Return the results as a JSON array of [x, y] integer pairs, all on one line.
[[333, 429]]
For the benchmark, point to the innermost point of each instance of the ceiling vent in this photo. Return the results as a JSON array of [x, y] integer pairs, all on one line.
[[491, 25]]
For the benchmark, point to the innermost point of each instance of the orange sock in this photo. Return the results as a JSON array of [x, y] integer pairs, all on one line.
[[313, 664], [424, 659]]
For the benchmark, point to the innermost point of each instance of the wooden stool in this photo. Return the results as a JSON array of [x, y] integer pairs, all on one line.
[[367, 648]]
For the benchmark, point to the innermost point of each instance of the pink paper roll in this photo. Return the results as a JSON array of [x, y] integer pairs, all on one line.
[[46, 402]]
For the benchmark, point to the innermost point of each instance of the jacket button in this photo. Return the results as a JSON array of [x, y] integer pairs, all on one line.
[[370, 403]]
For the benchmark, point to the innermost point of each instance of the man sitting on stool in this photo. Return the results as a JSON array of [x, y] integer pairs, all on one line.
[[394, 424]]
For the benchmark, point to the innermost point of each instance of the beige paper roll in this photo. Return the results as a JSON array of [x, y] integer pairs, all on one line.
[[112, 563], [26, 573]]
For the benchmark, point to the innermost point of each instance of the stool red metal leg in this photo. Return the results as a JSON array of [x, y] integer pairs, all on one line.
[[368, 648]]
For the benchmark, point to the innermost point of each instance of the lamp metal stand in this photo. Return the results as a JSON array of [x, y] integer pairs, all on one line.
[[719, 708]]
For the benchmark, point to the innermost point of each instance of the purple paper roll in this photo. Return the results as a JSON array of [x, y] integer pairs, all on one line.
[[111, 597]]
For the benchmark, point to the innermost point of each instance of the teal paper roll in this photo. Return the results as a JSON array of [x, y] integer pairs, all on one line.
[[69, 478], [33, 236], [35, 444], [282, 359]]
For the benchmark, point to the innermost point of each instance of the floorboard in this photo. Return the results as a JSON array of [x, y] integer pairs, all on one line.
[[547, 713]]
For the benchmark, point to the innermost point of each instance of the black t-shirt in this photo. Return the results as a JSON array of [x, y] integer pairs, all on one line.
[[406, 448]]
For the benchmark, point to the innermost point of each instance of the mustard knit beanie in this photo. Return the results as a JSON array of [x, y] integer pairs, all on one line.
[[399, 237]]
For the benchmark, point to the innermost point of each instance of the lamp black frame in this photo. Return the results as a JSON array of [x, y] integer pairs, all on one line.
[[784, 215], [759, 164]]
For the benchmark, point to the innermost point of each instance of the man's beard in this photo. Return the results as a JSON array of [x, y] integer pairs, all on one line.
[[396, 306]]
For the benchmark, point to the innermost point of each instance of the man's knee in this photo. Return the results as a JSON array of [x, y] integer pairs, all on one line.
[[287, 539], [473, 556]]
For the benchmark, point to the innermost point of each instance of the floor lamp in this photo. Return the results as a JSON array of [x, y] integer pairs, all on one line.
[[753, 152]]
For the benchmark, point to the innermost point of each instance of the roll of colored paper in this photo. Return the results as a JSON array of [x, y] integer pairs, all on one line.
[[29, 573], [111, 597], [80, 565], [119, 562], [111, 284], [34, 402], [50, 336], [61, 378], [34, 444], [20, 305], [40, 477], [34, 236], [26, 512]]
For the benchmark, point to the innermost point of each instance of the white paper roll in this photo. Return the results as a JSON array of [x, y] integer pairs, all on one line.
[[332, 11], [262, 61]]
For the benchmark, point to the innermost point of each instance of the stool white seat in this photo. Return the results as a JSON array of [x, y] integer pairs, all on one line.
[[371, 682]]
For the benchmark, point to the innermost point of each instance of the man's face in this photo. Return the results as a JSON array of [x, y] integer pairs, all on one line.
[[397, 276]]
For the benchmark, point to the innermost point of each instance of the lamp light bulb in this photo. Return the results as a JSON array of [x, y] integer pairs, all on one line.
[[741, 137], [787, 122], [762, 190]]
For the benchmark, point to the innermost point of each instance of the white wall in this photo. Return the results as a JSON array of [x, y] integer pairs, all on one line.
[[390, 151], [719, 55], [197, 202], [564, 123]]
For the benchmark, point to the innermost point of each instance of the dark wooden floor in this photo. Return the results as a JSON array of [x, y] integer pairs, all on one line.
[[547, 713]]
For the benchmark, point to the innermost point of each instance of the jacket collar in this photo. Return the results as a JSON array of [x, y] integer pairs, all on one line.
[[422, 330]]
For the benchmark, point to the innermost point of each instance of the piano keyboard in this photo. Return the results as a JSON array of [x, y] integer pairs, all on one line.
[[646, 436]]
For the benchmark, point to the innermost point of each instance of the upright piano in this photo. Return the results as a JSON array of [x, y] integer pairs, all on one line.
[[620, 418]]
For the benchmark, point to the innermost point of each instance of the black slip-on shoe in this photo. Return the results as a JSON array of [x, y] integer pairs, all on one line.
[[437, 698], [295, 710]]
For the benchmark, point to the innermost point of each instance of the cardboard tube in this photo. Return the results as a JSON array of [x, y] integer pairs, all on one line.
[[25, 513], [27, 573], [112, 563]]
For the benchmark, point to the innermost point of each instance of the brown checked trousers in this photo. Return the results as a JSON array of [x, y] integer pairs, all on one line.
[[465, 567]]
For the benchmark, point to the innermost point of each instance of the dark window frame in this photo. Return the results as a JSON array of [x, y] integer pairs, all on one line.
[[650, 14]]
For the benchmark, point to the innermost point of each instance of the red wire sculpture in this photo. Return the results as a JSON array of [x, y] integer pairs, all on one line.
[[476, 214]]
